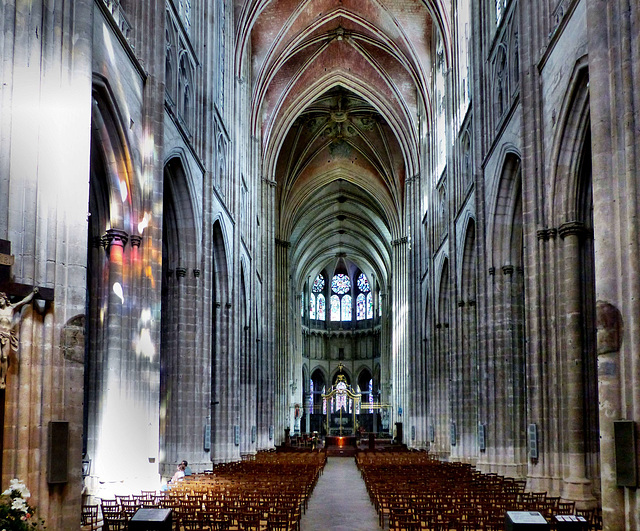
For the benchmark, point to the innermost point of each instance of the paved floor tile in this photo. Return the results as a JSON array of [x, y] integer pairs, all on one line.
[[339, 501]]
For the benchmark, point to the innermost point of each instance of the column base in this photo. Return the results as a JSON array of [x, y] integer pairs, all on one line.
[[579, 490]]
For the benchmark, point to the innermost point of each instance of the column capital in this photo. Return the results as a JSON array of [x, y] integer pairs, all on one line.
[[136, 240], [547, 234], [508, 269], [115, 237], [570, 228], [181, 272]]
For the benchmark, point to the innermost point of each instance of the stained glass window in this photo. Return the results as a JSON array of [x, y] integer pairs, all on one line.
[[380, 303], [318, 284], [335, 308], [312, 306], [360, 307], [341, 396], [346, 308], [499, 10], [311, 397], [363, 283], [340, 284], [324, 403], [369, 305], [302, 303], [370, 396], [321, 307]]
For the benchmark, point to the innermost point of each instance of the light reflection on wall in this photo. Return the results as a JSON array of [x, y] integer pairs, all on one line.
[[117, 289], [130, 419], [144, 345], [144, 223]]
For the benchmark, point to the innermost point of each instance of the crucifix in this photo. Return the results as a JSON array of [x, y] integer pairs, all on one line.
[[13, 296]]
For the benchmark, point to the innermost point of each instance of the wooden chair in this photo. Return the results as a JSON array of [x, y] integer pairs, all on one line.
[[194, 524], [218, 523], [90, 517], [278, 522]]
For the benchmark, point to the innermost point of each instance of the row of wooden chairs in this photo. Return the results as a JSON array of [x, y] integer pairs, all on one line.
[[411, 491], [268, 493]]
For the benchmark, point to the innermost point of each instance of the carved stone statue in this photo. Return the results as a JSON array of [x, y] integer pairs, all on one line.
[[8, 336]]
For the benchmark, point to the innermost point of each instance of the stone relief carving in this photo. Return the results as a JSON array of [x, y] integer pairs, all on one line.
[[72, 339], [609, 326]]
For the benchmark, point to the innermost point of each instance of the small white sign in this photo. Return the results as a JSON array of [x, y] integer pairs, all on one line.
[[526, 517]]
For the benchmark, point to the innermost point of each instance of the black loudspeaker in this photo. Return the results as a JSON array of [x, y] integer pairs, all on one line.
[[624, 433], [151, 520], [399, 435], [525, 521], [58, 464]]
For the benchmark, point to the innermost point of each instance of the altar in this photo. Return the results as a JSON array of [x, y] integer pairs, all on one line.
[[341, 441], [342, 405]]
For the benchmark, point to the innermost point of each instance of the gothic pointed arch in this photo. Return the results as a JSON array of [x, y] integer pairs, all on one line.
[[112, 207], [110, 149], [573, 212], [225, 398], [177, 337], [467, 357]]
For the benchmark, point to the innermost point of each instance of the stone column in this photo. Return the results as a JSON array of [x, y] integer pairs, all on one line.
[[109, 463], [609, 338], [576, 485]]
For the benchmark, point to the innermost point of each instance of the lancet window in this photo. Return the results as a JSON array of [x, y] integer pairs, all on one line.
[[316, 300], [340, 298]]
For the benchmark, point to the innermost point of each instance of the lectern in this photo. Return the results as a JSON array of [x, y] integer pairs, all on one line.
[[151, 520], [525, 521]]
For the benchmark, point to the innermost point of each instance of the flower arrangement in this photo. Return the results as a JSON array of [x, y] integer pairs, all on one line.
[[15, 513]]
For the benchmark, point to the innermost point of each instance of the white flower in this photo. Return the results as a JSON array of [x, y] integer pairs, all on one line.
[[17, 485], [19, 505]]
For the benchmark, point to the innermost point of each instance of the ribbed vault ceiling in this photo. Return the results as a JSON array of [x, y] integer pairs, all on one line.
[[337, 90]]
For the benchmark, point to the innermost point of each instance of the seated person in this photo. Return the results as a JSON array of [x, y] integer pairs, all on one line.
[[178, 476]]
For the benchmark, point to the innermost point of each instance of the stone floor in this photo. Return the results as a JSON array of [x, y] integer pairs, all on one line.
[[339, 501]]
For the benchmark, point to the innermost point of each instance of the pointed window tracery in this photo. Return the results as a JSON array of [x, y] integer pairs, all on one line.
[[321, 307], [312, 306], [335, 307], [346, 307], [361, 312], [317, 301]]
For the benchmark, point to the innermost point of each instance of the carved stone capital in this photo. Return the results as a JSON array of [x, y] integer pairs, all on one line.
[[570, 228], [181, 272], [196, 273], [543, 234], [508, 269], [115, 237], [136, 240], [283, 243], [400, 241]]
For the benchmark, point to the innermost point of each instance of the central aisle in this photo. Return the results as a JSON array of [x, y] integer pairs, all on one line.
[[339, 501]]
